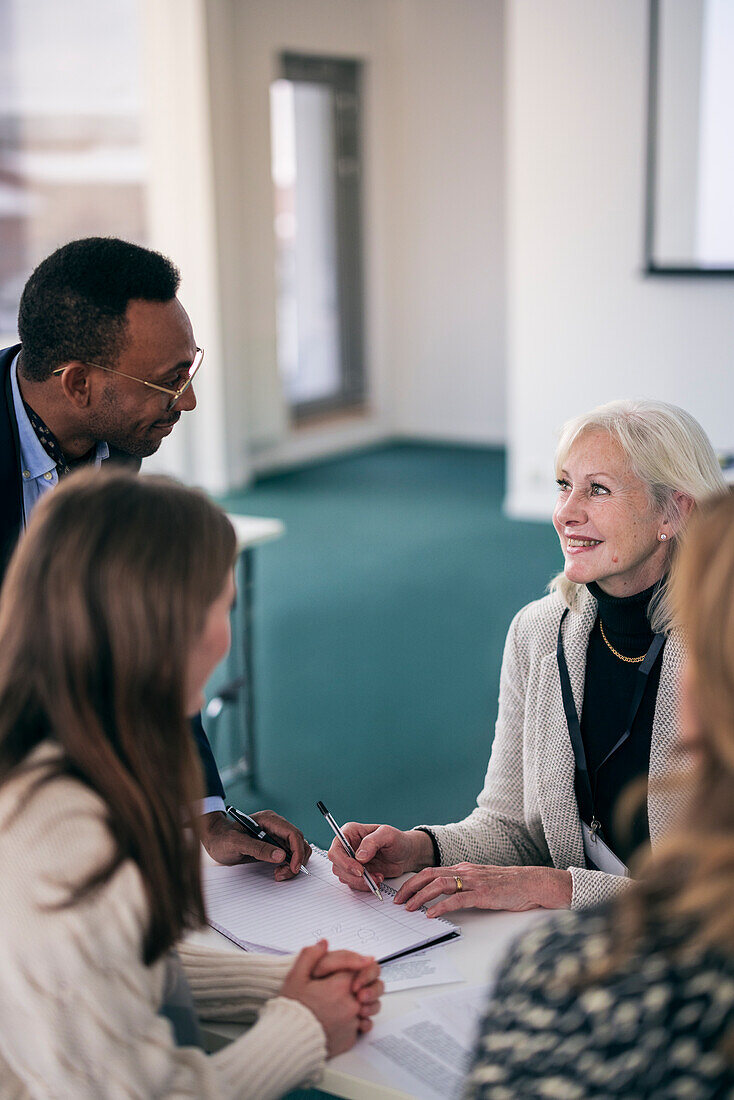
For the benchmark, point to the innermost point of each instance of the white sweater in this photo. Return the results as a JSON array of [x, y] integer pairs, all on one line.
[[79, 1009]]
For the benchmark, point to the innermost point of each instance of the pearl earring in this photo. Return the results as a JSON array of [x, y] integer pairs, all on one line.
[[663, 536]]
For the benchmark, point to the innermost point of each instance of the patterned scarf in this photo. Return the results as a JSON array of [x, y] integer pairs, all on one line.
[[51, 445]]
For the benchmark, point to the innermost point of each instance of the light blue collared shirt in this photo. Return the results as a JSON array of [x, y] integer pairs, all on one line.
[[37, 467], [39, 475]]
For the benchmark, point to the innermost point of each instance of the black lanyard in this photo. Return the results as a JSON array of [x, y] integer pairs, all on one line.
[[574, 726]]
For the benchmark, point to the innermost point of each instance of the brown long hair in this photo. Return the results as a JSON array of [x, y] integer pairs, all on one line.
[[689, 879], [103, 598]]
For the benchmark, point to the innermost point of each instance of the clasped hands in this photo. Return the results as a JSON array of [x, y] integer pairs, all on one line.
[[341, 988], [387, 852]]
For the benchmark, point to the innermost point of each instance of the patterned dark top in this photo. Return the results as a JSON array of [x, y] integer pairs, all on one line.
[[652, 1030]]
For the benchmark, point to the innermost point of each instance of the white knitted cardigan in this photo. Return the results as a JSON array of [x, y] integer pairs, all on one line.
[[79, 1010], [527, 813]]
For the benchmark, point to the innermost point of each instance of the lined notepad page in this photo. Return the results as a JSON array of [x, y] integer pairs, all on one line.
[[248, 906]]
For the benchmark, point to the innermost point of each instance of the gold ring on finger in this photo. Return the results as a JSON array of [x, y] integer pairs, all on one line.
[[459, 884]]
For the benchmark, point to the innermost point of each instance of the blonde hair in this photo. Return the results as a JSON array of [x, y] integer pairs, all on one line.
[[105, 594], [668, 450]]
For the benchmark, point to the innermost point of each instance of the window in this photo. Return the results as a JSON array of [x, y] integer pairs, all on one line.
[[316, 175], [71, 159], [689, 216]]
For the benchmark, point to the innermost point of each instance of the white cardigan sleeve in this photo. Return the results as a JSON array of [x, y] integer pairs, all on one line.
[[79, 1009], [496, 832], [592, 888]]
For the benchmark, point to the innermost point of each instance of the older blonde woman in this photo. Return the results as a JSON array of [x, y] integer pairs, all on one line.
[[638, 999], [589, 688]]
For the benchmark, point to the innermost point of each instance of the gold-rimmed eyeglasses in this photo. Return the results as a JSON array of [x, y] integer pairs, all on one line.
[[175, 395]]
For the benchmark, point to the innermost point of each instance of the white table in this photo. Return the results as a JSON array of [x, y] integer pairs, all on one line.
[[254, 531], [477, 956], [251, 531]]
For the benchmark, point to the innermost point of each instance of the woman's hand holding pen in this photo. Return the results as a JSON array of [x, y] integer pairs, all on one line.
[[384, 851], [387, 852], [341, 988]]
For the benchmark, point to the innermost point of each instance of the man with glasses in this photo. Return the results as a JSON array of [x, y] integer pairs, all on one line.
[[103, 373]]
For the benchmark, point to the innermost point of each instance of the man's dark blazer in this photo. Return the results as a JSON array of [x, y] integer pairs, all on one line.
[[11, 525]]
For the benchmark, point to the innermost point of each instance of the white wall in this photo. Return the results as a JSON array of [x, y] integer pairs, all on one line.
[[183, 223], [247, 38], [446, 330], [584, 326], [433, 218], [433, 214]]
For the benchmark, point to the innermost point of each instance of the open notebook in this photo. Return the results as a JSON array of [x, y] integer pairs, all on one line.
[[257, 913]]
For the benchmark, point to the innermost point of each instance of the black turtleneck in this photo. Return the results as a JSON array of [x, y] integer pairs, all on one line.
[[608, 689]]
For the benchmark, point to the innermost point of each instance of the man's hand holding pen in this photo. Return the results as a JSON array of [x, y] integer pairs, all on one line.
[[227, 842]]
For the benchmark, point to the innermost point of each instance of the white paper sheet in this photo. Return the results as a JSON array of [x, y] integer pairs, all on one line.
[[248, 906], [427, 1053], [424, 968]]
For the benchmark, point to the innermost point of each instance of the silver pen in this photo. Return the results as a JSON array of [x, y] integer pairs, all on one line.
[[349, 849]]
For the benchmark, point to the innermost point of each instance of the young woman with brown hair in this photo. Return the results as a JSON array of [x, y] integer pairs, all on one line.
[[638, 999], [113, 614]]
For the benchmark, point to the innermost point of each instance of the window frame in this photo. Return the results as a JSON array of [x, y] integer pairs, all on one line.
[[344, 78]]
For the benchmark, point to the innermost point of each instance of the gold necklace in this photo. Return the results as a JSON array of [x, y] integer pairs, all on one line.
[[629, 660]]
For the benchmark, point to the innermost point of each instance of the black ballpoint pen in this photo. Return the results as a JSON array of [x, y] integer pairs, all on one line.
[[256, 830], [349, 849]]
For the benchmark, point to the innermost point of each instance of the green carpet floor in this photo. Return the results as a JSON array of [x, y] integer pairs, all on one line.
[[380, 620]]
